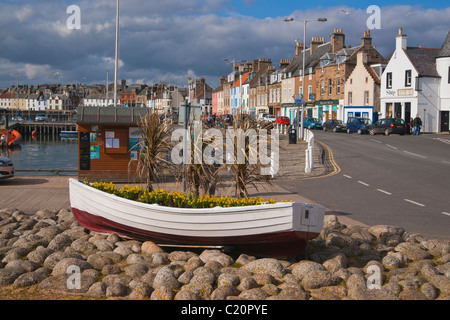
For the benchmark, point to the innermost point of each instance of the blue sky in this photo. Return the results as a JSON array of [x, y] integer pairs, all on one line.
[[171, 40]]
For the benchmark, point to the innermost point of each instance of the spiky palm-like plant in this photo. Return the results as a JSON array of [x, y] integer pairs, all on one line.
[[151, 162]]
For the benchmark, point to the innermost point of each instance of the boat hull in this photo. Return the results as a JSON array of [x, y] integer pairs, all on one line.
[[279, 231]]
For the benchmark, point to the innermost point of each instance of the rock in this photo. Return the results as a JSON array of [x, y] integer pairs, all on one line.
[[166, 278], [193, 263], [68, 265], [382, 232], [98, 289], [163, 293], [247, 284], [117, 290], [329, 293], [82, 245], [338, 262], [181, 255], [226, 279], [104, 245], [411, 295], [142, 291], [60, 242], [46, 214], [301, 269], [39, 255], [266, 265], [254, 294], [186, 295], [216, 255], [148, 248], [116, 278], [429, 291], [244, 259], [413, 251], [30, 278], [318, 278], [98, 261], [8, 276], [224, 291], [136, 258], [137, 270], [294, 292], [22, 265], [160, 258]]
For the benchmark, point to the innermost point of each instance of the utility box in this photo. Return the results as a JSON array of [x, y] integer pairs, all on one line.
[[292, 135]]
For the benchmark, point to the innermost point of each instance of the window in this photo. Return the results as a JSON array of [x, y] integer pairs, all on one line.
[[389, 80], [322, 89], [330, 88], [408, 74], [350, 99], [366, 98], [338, 88], [270, 97], [310, 97]]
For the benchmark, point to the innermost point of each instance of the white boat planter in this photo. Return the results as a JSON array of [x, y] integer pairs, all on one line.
[[271, 230]]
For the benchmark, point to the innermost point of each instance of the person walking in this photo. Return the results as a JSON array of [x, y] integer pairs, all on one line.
[[417, 125]]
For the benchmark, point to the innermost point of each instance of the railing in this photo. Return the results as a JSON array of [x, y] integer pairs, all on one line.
[[309, 152]]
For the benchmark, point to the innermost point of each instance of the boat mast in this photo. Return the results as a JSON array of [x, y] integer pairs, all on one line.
[[116, 63]]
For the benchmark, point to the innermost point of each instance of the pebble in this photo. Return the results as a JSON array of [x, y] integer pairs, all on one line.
[[45, 249]]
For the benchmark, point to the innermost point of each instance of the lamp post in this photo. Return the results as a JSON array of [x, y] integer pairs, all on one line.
[[300, 118], [116, 60]]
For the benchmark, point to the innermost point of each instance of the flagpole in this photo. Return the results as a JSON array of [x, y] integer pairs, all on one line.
[[116, 62]]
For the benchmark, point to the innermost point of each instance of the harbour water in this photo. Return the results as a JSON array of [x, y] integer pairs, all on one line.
[[44, 153]]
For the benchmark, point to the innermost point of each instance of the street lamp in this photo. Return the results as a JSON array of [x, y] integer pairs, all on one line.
[[289, 19]]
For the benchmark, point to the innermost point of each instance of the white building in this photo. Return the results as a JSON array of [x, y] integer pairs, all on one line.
[[443, 69], [32, 101], [99, 100], [410, 85]]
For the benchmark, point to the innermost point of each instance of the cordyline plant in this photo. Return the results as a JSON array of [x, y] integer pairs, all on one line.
[[151, 161], [247, 173]]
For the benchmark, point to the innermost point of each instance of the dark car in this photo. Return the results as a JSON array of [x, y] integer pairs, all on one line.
[[334, 125], [388, 126], [359, 125]]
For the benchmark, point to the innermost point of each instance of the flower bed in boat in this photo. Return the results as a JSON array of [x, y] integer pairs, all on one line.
[[176, 199]]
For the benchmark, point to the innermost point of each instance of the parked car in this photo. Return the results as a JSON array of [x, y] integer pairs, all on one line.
[[388, 126], [17, 119], [269, 118], [334, 125], [6, 168], [41, 117], [311, 123], [359, 125], [283, 120]]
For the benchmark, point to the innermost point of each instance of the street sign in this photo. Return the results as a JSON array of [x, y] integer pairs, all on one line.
[[298, 100]]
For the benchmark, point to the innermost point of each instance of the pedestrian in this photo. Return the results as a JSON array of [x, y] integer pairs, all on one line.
[[411, 126], [417, 125]]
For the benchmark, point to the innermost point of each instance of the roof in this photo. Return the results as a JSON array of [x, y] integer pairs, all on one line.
[[238, 81], [110, 115], [445, 50], [424, 60]]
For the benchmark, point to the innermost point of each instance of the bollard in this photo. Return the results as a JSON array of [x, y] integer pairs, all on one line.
[[307, 161]]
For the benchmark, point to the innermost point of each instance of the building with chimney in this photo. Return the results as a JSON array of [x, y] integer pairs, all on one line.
[[443, 70], [411, 84]]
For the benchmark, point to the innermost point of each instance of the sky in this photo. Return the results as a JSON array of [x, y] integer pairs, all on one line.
[[171, 40]]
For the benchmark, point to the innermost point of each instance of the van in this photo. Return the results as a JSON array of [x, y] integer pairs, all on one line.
[[359, 125]]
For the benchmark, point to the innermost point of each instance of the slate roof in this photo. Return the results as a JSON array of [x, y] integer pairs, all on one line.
[[311, 61], [445, 50], [424, 60]]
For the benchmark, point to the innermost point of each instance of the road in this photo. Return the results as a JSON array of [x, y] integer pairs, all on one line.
[[394, 180]]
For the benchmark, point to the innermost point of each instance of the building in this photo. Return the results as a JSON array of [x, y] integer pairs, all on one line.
[[237, 101], [6, 100], [410, 84], [201, 93], [443, 70], [333, 73], [362, 90]]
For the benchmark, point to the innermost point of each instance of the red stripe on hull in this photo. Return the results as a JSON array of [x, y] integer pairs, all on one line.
[[273, 245]]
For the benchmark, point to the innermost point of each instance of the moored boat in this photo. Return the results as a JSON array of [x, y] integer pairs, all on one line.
[[278, 230]]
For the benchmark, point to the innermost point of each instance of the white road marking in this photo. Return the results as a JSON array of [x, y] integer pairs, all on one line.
[[375, 141], [364, 184], [446, 213], [347, 176], [385, 192], [416, 203], [415, 154], [445, 162], [392, 147]]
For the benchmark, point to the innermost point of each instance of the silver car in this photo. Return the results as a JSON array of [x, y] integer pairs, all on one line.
[[6, 168]]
